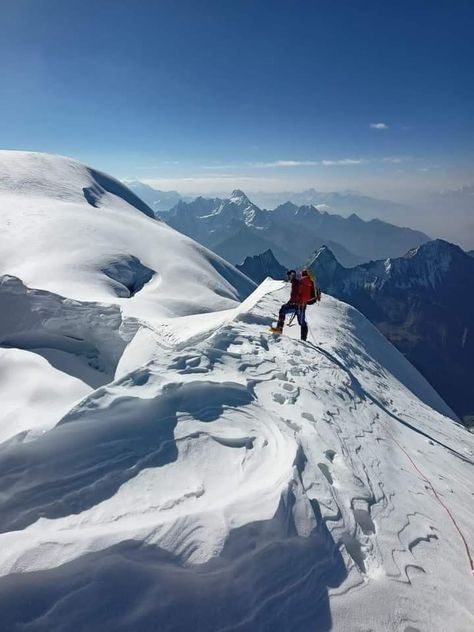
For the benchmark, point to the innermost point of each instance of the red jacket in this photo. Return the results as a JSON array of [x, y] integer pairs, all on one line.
[[295, 292]]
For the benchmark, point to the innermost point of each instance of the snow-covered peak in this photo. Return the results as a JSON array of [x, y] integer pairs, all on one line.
[[324, 254], [238, 197], [426, 266], [435, 248], [248, 211], [325, 261], [33, 174], [79, 233], [429, 263], [238, 207]]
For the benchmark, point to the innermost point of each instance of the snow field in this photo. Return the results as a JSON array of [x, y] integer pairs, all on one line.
[[241, 450], [167, 464], [81, 234]]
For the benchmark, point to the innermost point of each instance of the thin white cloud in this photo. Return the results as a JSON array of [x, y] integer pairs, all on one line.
[[339, 162], [213, 183], [308, 163], [396, 160], [287, 163], [344, 161], [379, 126], [295, 164], [280, 175]]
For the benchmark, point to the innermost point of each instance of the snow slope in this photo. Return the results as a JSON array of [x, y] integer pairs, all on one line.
[[79, 233], [231, 480], [165, 469]]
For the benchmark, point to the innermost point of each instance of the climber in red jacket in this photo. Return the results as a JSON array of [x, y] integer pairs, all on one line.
[[303, 293]]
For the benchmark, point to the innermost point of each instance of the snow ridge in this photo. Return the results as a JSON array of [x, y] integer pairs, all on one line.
[[271, 473]]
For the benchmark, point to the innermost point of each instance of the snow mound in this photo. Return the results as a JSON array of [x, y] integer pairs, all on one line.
[[30, 174], [227, 479], [61, 350], [78, 233]]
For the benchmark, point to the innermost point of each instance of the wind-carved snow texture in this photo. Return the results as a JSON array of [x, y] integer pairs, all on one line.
[[79, 344], [227, 479], [167, 464], [39, 321]]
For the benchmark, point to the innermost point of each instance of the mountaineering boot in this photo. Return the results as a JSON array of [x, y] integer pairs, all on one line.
[[276, 330]]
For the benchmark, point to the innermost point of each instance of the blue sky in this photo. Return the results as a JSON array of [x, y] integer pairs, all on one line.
[[208, 95]]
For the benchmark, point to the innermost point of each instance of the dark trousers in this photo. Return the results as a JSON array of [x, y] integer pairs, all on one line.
[[300, 311]]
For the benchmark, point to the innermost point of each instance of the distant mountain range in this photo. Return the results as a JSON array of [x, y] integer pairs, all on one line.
[[331, 201], [424, 212], [423, 303], [235, 228]]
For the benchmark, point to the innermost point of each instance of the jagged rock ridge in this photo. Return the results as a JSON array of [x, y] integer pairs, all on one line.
[[423, 302]]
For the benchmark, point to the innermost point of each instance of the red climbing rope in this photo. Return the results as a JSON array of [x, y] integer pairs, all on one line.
[[436, 495], [431, 486]]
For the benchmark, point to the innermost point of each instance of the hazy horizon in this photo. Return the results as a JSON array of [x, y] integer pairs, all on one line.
[[266, 97], [412, 213]]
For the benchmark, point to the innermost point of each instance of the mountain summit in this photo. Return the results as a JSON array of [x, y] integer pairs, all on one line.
[[238, 196]]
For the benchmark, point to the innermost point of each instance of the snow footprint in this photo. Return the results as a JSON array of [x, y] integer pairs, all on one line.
[[361, 511], [290, 391], [330, 454], [285, 398], [188, 364], [297, 372]]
